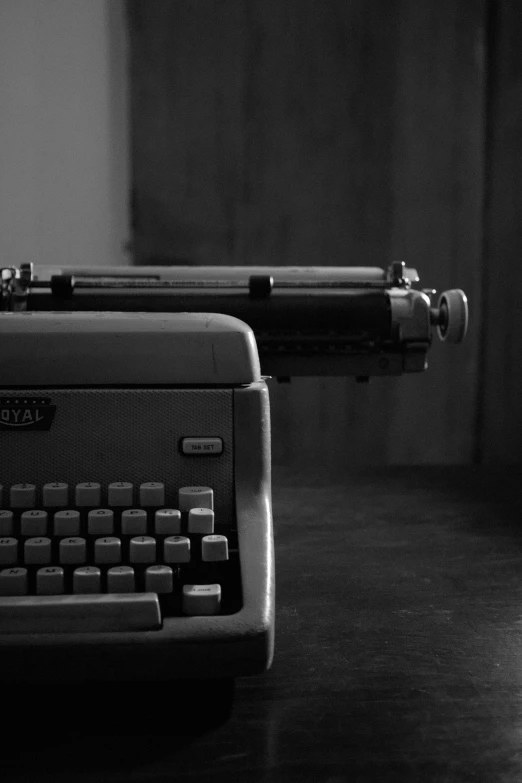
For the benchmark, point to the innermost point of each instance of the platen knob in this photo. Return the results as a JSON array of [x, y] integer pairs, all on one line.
[[452, 316]]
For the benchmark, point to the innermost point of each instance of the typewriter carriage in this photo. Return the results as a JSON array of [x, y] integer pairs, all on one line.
[[358, 321]]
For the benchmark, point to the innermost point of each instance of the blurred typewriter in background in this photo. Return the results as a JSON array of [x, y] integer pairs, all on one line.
[[357, 321], [135, 507]]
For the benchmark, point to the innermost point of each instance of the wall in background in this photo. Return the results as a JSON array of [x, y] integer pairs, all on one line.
[[305, 132], [500, 413], [289, 132], [64, 162]]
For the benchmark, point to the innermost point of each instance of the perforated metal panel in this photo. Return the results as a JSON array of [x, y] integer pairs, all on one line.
[[131, 435]]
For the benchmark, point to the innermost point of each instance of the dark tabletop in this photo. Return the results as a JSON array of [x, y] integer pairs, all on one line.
[[398, 653]]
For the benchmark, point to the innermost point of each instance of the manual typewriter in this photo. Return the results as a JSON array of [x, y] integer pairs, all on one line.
[[135, 514]]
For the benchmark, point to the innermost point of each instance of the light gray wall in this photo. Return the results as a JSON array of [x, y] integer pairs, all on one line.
[[64, 171]]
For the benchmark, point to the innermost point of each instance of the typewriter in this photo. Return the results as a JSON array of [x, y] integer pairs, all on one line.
[[135, 513]]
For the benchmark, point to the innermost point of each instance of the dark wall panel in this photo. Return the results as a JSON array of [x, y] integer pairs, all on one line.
[[500, 424], [303, 132]]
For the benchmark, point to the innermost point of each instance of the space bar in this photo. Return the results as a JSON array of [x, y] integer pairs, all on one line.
[[97, 612]]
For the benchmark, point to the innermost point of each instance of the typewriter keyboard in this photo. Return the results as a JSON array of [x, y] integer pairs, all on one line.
[[113, 541]]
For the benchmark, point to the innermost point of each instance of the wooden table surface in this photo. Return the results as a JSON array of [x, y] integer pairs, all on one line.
[[398, 653]]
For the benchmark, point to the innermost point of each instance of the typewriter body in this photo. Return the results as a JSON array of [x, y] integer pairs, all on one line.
[[135, 518]]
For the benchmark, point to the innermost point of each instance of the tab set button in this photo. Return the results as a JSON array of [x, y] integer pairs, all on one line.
[[202, 447]]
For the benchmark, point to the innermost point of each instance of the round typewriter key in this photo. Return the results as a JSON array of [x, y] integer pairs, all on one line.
[[107, 550], [87, 579], [121, 579], [120, 493], [159, 579], [152, 493], [67, 523], [134, 522], [33, 523], [214, 549], [195, 497], [201, 599], [14, 581], [167, 522], [201, 520], [142, 549], [176, 549], [55, 494], [23, 496], [100, 522], [50, 581], [37, 551], [88, 493], [73, 551]]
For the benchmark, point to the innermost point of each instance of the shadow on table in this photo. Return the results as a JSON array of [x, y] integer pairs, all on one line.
[[56, 729]]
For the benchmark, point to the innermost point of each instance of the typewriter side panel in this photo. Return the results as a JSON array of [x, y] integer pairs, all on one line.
[[252, 477]]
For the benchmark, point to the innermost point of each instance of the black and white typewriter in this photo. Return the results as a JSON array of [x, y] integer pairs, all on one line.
[[135, 507]]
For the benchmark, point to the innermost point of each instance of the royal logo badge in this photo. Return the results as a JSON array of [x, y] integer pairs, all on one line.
[[26, 413]]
